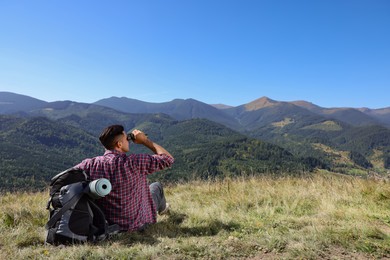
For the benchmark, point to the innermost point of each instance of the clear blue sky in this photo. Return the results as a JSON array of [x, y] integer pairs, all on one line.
[[333, 53]]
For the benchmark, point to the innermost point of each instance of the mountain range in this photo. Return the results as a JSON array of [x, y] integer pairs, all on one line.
[[211, 140], [190, 108], [300, 127]]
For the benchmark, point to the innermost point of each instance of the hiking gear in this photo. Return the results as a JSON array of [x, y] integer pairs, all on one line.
[[100, 188], [74, 217]]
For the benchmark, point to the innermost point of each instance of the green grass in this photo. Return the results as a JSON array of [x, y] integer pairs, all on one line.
[[313, 217]]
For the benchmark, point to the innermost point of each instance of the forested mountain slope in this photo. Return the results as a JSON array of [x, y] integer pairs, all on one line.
[[34, 149]]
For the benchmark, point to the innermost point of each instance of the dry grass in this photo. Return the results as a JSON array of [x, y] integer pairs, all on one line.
[[323, 216]]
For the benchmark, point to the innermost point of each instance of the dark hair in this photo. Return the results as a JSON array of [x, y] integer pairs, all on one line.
[[109, 134]]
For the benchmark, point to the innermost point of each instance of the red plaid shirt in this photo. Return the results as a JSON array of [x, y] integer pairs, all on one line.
[[130, 203]]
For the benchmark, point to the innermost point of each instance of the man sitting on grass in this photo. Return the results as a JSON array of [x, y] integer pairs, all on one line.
[[132, 203]]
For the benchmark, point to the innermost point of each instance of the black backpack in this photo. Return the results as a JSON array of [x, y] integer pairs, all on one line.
[[74, 217]]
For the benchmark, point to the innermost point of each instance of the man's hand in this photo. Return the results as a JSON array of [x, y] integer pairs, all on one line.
[[141, 138]]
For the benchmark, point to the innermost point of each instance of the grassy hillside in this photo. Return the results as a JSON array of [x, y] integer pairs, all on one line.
[[321, 216]]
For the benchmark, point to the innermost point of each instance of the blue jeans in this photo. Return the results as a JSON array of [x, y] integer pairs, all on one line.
[[157, 192]]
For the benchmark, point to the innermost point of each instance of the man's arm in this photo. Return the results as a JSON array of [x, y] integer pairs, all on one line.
[[141, 138]]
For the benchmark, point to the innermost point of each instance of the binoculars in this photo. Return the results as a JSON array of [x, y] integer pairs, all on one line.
[[130, 136]]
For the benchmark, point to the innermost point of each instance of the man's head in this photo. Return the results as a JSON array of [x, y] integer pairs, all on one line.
[[114, 138]]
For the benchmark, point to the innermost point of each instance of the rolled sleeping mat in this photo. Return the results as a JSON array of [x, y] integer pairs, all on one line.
[[100, 188]]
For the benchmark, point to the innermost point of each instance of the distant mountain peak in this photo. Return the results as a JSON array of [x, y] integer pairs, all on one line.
[[302, 103], [12, 103], [307, 105], [260, 103], [221, 106]]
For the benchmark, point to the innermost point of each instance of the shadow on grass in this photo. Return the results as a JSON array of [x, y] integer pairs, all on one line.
[[131, 238], [171, 227]]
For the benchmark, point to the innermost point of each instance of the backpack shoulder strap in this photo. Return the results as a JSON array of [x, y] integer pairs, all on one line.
[[52, 221]]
